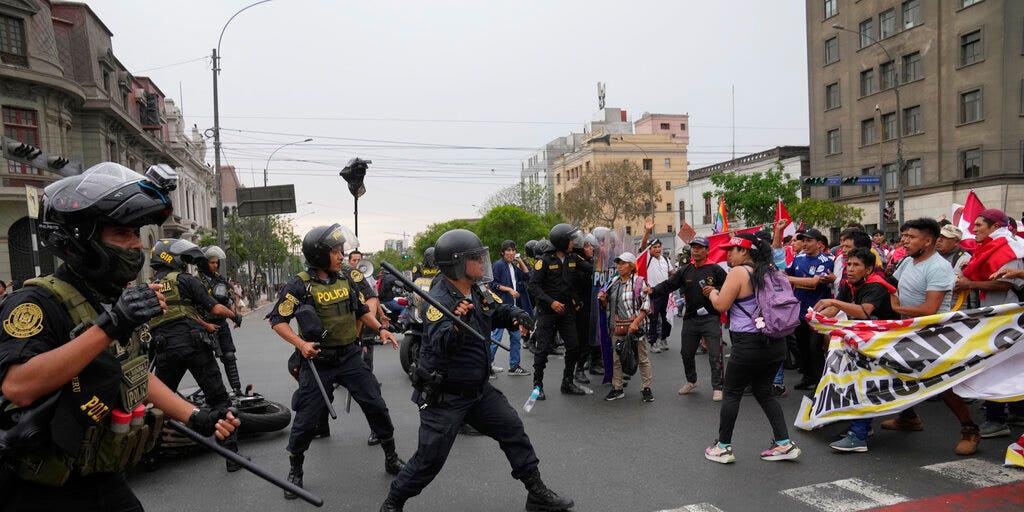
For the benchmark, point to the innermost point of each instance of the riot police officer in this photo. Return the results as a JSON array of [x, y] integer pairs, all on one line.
[[70, 351], [585, 295], [452, 386], [182, 340], [429, 267], [338, 304], [219, 288], [552, 287]]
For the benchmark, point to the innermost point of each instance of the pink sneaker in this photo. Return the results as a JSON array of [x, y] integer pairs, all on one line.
[[788, 451]]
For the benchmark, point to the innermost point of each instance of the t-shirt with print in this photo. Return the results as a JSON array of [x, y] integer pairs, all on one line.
[[931, 275], [808, 266]]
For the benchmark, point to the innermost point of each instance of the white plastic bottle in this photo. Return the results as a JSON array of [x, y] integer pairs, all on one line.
[[532, 400]]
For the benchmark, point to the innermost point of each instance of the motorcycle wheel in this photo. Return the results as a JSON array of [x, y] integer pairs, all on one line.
[[409, 353], [270, 417]]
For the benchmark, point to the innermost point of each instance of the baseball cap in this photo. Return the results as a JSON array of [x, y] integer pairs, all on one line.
[[814, 234], [627, 257], [994, 215], [951, 231], [699, 240], [740, 241]]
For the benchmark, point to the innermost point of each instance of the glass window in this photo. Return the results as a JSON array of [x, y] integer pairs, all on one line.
[[887, 23], [889, 126], [867, 82], [648, 164], [912, 120], [12, 41], [889, 174], [668, 163], [887, 72], [834, 192], [707, 210], [868, 134], [970, 162], [911, 13], [831, 50], [23, 126], [911, 67], [867, 32], [629, 230], [831, 96], [970, 48], [830, 8], [668, 185], [664, 126], [971, 106], [834, 145], [914, 172], [668, 208], [968, 3], [867, 171]]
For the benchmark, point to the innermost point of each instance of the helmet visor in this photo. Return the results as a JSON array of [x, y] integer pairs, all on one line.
[[341, 236], [475, 264], [96, 184]]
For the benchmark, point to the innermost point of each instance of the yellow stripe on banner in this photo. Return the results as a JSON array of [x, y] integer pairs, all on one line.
[[979, 343]]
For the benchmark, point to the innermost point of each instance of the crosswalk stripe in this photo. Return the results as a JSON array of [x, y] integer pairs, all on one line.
[[844, 495], [978, 473], [697, 507]]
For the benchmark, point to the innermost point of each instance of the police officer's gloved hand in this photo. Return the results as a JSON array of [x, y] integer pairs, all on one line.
[[237, 320], [136, 306], [205, 421], [524, 319]]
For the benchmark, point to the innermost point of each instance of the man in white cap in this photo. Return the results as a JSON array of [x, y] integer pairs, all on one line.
[[627, 308]]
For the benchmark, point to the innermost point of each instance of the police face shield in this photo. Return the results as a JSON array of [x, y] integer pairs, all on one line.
[[189, 252], [476, 265], [341, 236]]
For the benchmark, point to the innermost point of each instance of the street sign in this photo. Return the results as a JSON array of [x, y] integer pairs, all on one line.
[[833, 181], [868, 179], [270, 200]]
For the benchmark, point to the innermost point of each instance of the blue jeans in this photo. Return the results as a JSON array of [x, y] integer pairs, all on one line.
[[514, 338], [393, 306], [860, 428], [780, 376]]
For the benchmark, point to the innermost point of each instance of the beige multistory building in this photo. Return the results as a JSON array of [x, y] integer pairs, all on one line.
[[957, 68], [661, 150]]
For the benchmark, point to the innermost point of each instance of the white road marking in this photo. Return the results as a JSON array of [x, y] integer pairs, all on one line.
[[698, 507], [978, 473], [844, 495]]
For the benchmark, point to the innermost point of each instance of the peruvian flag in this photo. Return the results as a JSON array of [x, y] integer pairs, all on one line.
[[782, 215], [1000, 248], [716, 254], [964, 216]]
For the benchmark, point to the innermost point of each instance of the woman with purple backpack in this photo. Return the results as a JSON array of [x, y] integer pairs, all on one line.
[[755, 356]]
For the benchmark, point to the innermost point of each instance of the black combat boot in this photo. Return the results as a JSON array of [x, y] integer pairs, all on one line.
[[392, 464], [295, 473], [570, 388], [541, 498], [581, 376], [392, 504], [231, 443]]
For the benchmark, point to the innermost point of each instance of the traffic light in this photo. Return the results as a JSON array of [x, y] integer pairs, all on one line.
[[813, 180], [21, 152], [354, 173], [890, 214], [17, 151], [851, 180]]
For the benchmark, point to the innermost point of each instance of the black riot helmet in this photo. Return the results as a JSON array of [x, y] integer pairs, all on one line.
[[544, 246], [174, 253], [77, 208], [318, 242], [562, 234], [428, 258], [454, 248], [530, 248]]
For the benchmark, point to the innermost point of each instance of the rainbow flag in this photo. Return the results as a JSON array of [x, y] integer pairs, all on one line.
[[721, 219]]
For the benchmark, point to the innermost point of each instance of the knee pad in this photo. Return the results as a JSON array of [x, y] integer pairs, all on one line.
[[228, 356]]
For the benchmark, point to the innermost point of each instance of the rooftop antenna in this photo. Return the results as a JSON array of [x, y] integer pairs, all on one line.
[[600, 95]]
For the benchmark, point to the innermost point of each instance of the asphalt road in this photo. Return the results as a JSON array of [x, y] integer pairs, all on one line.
[[607, 456]]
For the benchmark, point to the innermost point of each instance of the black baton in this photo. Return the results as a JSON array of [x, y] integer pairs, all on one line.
[[433, 302], [320, 384], [245, 463]]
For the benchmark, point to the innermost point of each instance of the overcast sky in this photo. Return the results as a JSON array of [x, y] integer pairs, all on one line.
[[447, 98]]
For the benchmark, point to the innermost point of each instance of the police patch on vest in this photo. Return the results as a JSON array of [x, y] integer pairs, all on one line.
[[496, 298], [539, 265], [356, 275], [26, 320], [552, 267], [287, 306], [433, 314], [331, 296]]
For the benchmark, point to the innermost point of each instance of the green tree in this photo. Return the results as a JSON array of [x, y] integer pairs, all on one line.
[[612, 191], [824, 213], [531, 197], [426, 239], [256, 244], [753, 197], [509, 223], [399, 260]]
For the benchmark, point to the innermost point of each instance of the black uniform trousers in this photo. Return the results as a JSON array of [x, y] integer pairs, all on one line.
[[547, 325], [810, 351], [172, 361], [584, 336], [105, 492], [489, 413], [227, 343], [344, 366]]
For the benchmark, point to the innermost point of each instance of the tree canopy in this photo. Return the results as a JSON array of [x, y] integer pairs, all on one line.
[[531, 197], [753, 197], [824, 213], [611, 191]]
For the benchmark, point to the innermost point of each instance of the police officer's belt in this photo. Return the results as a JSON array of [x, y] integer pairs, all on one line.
[[332, 354], [463, 390]]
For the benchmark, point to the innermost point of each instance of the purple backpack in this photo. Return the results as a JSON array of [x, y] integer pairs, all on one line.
[[777, 313]]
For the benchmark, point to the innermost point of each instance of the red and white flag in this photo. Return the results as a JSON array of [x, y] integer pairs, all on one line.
[[782, 214], [964, 215]]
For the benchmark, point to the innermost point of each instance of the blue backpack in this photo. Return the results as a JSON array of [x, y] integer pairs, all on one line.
[[777, 313]]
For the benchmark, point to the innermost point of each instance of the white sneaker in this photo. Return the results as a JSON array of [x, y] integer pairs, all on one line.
[[716, 395], [664, 345], [497, 369], [655, 348], [687, 388]]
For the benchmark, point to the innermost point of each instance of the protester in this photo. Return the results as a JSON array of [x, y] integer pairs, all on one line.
[[811, 274], [862, 295], [925, 284], [948, 245], [627, 308], [510, 278], [755, 358], [878, 243], [657, 269]]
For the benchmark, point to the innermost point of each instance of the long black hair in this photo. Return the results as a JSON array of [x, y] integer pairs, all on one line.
[[763, 262]]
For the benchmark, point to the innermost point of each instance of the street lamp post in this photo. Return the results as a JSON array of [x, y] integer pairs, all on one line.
[[899, 128], [279, 148], [216, 131]]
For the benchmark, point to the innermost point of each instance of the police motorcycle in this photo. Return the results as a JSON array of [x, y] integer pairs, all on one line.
[[258, 414], [412, 326]]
